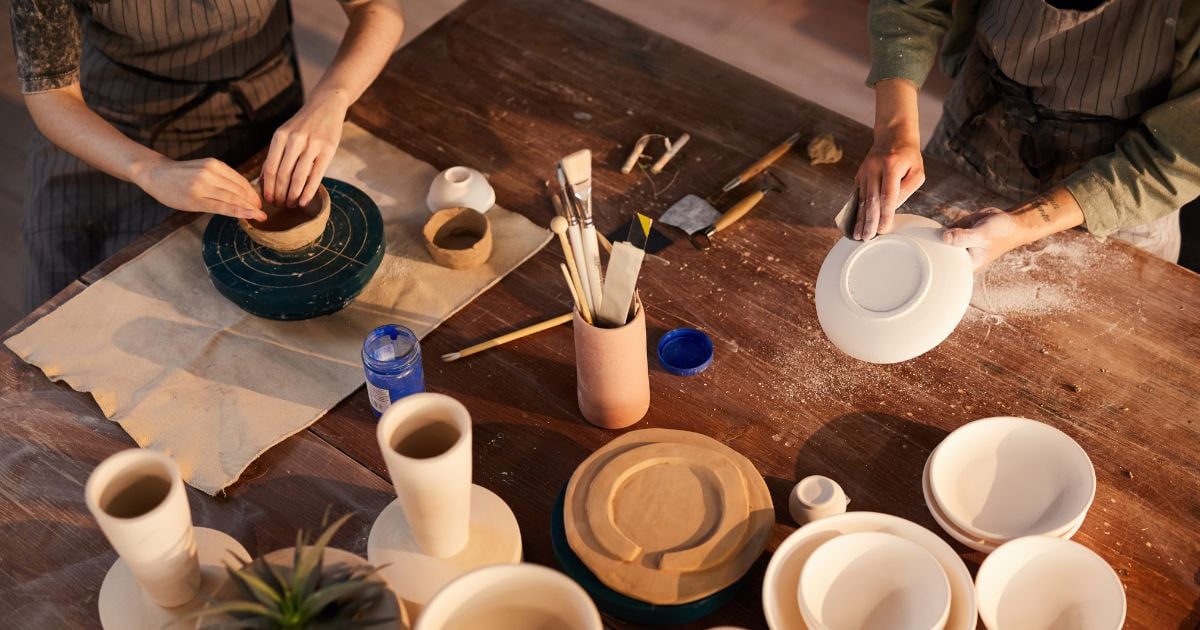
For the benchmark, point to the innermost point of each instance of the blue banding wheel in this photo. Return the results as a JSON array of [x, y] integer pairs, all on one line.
[[623, 607], [317, 280], [685, 351]]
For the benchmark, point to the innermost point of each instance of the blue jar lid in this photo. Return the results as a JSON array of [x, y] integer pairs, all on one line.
[[685, 351]]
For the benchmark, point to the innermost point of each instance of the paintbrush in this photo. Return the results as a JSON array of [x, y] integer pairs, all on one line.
[[503, 339], [574, 236], [761, 164], [575, 172]]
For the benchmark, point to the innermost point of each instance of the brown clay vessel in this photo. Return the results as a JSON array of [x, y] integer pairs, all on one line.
[[289, 229], [458, 238]]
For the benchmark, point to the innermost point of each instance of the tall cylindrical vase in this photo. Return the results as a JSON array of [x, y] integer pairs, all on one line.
[[426, 443], [138, 499], [612, 373]]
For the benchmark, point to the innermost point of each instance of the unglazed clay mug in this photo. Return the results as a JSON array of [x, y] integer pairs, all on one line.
[[611, 371], [138, 499], [426, 443]]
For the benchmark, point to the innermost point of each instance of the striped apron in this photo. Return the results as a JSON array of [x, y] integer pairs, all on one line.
[[189, 79], [1047, 89]]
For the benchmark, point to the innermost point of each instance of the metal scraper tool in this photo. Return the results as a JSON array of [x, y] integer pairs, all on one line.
[[700, 220]]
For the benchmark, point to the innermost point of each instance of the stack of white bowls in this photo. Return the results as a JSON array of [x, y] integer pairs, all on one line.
[[999, 479]]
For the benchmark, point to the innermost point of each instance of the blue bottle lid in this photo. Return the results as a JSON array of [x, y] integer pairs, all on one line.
[[685, 351]]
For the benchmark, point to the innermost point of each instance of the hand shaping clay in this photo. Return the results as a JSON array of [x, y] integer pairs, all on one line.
[[667, 517], [288, 229]]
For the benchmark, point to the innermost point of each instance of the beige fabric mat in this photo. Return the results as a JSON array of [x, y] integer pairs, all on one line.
[[185, 371]]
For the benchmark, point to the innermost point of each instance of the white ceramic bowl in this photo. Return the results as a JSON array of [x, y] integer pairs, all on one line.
[[1003, 478], [816, 497], [894, 297], [1046, 583], [782, 578], [507, 596], [460, 187], [869, 580]]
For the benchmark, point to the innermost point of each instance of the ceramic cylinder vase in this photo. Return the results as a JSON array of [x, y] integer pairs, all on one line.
[[426, 443], [138, 499], [611, 372]]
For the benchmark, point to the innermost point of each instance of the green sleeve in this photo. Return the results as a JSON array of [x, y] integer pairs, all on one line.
[[904, 38], [1154, 170]]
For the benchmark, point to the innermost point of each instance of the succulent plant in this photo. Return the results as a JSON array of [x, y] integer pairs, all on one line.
[[307, 596]]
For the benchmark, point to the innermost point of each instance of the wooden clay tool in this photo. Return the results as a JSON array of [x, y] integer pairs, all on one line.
[[503, 339], [703, 238], [559, 226], [762, 164]]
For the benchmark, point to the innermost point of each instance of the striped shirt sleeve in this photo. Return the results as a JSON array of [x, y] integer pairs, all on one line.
[[47, 42]]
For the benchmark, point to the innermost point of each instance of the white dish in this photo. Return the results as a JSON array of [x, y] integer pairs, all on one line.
[[894, 297], [869, 580], [1003, 478], [507, 596], [815, 497], [782, 577], [460, 187], [1044, 583]]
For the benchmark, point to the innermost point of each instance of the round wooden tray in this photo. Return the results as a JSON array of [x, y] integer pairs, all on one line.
[[316, 280], [667, 517]]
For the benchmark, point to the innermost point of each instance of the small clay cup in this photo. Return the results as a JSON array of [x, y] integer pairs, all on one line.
[[612, 373], [290, 229], [458, 238]]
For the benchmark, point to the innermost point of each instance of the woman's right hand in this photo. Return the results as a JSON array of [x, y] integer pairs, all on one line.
[[204, 185], [893, 169]]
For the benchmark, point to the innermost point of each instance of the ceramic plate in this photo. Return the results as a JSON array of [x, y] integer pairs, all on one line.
[[894, 297], [782, 579]]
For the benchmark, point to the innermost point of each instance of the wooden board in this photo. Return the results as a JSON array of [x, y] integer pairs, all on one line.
[[509, 87]]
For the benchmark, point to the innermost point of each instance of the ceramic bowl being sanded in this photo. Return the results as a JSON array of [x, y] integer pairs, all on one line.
[[458, 238], [289, 229], [316, 280]]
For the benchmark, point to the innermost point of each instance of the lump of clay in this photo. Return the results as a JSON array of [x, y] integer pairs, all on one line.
[[823, 150], [288, 229]]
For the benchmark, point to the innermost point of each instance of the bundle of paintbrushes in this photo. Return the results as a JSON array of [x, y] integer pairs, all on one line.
[[603, 298]]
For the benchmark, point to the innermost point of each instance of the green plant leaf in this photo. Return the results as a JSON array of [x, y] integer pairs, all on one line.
[[258, 589], [236, 607], [317, 602], [307, 574]]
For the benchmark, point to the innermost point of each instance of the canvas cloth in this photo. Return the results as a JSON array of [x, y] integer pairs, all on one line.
[[187, 372]]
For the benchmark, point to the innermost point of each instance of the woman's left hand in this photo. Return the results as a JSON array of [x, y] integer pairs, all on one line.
[[986, 234], [301, 151]]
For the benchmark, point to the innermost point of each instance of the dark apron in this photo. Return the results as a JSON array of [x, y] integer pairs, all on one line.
[[1045, 90], [187, 79]]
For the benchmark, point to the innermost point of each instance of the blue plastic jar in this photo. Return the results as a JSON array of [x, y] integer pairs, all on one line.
[[391, 358]]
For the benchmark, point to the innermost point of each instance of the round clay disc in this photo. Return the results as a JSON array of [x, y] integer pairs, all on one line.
[[319, 279], [495, 538], [123, 604], [667, 516]]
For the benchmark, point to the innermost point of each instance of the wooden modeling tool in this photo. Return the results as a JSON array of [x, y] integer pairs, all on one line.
[[575, 174], [559, 226], [503, 339], [574, 235], [575, 297], [623, 269], [672, 148], [762, 164]]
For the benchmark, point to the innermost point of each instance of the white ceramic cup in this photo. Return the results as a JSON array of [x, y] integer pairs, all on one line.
[[816, 497], [460, 187], [138, 499], [1044, 583], [873, 580], [510, 596], [426, 443]]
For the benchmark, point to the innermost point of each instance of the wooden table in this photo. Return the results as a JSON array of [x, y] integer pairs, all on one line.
[[510, 86]]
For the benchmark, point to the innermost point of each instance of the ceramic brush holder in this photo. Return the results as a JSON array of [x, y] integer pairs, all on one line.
[[612, 372]]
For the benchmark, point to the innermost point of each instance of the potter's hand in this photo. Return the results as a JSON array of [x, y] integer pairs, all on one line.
[[989, 233], [893, 169], [301, 151], [204, 185]]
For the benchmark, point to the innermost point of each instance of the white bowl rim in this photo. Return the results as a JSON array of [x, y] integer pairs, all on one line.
[[507, 570]]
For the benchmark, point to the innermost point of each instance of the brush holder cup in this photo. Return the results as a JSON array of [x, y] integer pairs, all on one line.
[[137, 498], [612, 373]]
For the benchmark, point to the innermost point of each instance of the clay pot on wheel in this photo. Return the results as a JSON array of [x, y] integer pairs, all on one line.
[[289, 229], [458, 238]]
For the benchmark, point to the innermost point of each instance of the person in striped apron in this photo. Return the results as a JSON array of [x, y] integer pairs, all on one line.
[[1082, 112], [141, 108]]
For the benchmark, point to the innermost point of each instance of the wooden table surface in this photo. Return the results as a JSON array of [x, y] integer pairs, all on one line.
[[1108, 350]]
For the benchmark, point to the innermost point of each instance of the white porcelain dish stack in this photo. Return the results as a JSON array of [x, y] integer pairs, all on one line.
[[998, 479], [1047, 583], [894, 297]]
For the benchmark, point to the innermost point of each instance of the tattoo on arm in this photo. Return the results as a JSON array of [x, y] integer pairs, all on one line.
[[1042, 203]]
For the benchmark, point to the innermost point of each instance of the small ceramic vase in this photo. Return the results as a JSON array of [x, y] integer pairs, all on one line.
[[612, 373], [290, 229], [458, 238], [460, 187], [137, 498], [816, 497], [426, 443], [505, 596]]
